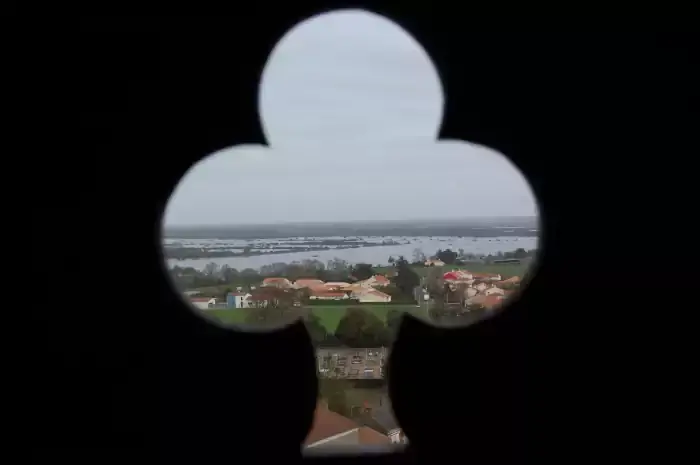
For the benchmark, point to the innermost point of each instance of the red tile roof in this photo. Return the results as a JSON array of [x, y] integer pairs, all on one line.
[[484, 275], [325, 293], [381, 279], [369, 436], [308, 282], [327, 424]]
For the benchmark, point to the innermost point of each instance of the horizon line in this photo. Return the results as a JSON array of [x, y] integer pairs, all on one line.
[[301, 223]]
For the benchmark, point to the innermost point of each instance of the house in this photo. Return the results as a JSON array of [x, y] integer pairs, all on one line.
[[237, 300], [325, 294], [470, 292], [458, 276], [203, 303], [337, 285], [257, 300], [378, 280], [331, 430], [487, 276], [434, 262], [282, 283], [515, 280], [310, 283], [371, 296], [494, 290]]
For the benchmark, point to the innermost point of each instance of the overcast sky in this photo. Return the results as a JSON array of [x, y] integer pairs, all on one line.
[[351, 106]]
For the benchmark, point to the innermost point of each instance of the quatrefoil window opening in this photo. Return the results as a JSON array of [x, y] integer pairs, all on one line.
[[354, 214]]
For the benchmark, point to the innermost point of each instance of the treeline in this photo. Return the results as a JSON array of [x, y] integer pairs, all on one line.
[[213, 274], [467, 228], [460, 257]]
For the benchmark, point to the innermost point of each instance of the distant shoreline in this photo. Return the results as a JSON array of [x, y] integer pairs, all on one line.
[[350, 230], [473, 221]]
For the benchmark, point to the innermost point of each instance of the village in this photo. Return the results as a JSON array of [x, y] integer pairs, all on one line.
[[354, 409], [461, 286]]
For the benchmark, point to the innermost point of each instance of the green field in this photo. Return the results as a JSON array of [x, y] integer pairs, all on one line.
[[329, 315]]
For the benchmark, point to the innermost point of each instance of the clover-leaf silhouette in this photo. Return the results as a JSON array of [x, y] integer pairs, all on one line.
[[352, 121]]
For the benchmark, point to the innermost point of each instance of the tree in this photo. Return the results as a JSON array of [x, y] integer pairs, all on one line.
[[304, 295], [363, 271], [418, 256], [397, 295], [435, 283], [520, 253], [333, 391], [249, 276], [360, 328], [406, 279], [316, 330], [274, 307], [225, 293], [447, 256], [210, 269]]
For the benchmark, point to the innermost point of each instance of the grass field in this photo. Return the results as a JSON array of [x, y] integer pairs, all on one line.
[[329, 315]]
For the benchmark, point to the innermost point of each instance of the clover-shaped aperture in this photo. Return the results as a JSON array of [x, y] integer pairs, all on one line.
[[354, 213]]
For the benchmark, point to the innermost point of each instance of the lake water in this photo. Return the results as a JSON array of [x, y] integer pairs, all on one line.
[[376, 255]]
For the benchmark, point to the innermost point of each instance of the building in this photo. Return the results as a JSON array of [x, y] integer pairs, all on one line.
[[338, 286], [487, 276], [332, 431], [310, 283], [434, 262], [377, 280], [371, 296], [203, 303], [381, 418], [325, 294], [237, 300], [258, 300], [493, 290], [458, 276], [282, 283], [470, 292], [513, 281]]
